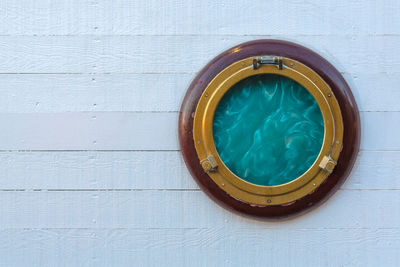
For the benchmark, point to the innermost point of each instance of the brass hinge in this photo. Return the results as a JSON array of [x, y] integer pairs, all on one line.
[[327, 164], [267, 60], [209, 164]]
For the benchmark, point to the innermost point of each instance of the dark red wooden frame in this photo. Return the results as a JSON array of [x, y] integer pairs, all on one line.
[[348, 107]]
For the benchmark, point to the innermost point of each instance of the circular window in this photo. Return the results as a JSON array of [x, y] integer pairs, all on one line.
[[269, 128]]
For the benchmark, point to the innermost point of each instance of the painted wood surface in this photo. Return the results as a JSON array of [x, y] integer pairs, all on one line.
[[77, 17], [178, 53], [139, 131], [160, 92], [163, 170], [90, 170]]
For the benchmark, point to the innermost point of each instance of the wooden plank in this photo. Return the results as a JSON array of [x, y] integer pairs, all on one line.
[[172, 54], [150, 170], [375, 170], [183, 209], [47, 17], [377, 130], [94, 170], [139, 131], [28, 93], [157, 17], [89, 131], [178, 247], [375, 92]]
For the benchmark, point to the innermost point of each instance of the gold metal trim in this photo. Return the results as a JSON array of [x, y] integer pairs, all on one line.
[[234, 185]]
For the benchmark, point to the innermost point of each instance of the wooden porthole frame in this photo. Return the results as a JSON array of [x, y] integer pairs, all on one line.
[[320, 78]]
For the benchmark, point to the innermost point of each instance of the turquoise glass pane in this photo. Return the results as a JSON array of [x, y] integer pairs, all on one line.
[[268, 129]]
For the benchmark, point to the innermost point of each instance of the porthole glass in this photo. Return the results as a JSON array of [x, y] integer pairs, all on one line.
[[268, 129]]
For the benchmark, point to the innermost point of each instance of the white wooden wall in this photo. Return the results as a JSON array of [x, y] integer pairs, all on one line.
[[90, 168]]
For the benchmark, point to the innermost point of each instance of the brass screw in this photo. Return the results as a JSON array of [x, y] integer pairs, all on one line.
[[269, 200], [329, 95], [206, 166], [330, 166]]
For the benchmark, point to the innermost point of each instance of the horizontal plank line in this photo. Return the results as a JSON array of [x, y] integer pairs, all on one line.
[[135, 150], [104, 190], [150, 111], [128, 228], [162, 190], [379, 150], [92, 150], [271, 36], [101, 190], [192, 228], [161, 73], [114, 112], [92, 73], [377, 111], [153, 111]]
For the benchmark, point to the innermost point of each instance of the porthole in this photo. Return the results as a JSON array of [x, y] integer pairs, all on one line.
[[269, 129]]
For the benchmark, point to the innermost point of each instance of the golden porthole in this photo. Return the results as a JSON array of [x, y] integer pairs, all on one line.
[[237, 186], [269, 128]]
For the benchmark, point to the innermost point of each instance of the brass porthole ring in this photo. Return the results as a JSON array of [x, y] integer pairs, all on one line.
[[226, 179], [341, 131]]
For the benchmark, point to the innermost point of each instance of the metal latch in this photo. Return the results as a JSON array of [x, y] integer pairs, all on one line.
[[209, 164], [267, 60], [327, 164]]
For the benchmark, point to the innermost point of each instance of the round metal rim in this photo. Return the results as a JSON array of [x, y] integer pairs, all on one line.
[[234, 185], [348, 108]]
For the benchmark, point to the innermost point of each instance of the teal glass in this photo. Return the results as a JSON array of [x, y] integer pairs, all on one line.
[[268, 129]]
